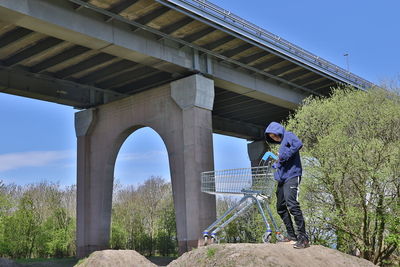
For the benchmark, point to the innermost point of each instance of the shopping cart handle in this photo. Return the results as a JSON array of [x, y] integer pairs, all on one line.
[[268, 155]]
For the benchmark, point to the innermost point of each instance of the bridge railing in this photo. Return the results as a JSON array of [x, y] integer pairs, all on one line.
[[202, 7]]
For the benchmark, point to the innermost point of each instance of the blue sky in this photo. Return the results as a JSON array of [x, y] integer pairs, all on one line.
[[368, 30], [38, 139]]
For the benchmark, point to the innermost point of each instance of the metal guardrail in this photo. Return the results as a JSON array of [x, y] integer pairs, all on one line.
[[221, 16]]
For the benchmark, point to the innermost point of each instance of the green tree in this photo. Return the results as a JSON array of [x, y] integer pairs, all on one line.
[[37, 221], [143, 218], [166, 224], [352, 170], [21, 230]]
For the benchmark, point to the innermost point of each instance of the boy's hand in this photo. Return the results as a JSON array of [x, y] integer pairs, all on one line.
[[276, 165]]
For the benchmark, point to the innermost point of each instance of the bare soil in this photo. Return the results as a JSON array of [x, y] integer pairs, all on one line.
[[220, 255], [256, 255], [234, 255], [116, 258]]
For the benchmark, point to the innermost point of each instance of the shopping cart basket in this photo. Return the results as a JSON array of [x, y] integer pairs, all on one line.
[[254, 184]]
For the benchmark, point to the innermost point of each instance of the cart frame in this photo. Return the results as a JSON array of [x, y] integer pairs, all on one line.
[[255, 184]]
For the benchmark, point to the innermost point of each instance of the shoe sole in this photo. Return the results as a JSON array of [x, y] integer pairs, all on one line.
[[301, 247]]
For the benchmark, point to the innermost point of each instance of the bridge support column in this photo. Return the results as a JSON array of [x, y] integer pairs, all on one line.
[[256, 151], [180, 113], [86, 229], [194, 210]]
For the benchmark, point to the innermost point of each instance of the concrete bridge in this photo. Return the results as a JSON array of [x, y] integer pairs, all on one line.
[[185, 68]]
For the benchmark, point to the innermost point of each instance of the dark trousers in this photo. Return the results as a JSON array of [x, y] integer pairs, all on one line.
[[287, 203]]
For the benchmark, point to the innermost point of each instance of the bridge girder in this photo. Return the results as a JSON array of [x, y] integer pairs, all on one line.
[[89, 29]]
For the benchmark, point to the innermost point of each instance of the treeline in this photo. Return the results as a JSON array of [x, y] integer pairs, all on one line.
[[352, 162], [143, 218], [39, 220]]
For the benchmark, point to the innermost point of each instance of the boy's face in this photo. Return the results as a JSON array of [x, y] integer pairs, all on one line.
[[275, 137]]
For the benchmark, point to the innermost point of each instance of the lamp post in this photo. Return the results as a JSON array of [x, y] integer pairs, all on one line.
[[347, 60]]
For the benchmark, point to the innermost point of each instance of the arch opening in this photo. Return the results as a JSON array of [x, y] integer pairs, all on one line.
[[143, 213]]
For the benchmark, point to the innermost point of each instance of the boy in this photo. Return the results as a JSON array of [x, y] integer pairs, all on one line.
[[288, 174]]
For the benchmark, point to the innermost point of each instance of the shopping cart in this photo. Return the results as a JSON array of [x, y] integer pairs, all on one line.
[[254, 184]]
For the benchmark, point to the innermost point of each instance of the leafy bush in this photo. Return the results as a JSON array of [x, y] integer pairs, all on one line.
[[352, 161]]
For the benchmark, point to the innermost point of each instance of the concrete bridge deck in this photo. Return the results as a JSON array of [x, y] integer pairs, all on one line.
[[87, 53]]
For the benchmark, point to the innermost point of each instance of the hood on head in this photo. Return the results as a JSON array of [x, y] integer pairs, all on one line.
[[274, 128]]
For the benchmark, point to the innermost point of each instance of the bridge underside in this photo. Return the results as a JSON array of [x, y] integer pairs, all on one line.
[[116, 48]]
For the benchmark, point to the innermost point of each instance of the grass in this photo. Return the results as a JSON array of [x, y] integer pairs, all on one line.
[[211, 252], [81, 260], [69, 262], [42, 259], [56, 262]]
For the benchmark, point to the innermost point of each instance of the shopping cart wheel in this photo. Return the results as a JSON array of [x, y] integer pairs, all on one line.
[[214, 240], [280, 237], [266, 237]]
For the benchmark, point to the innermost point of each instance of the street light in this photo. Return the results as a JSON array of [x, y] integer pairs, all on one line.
[[347, 60]]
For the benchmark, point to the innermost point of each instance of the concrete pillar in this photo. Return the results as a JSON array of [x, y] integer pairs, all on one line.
[[194, 210], [256, 151], [93, 194], [181, 114]]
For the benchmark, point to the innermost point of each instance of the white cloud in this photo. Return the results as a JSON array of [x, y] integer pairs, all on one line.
[[14, 161], [143, 156]]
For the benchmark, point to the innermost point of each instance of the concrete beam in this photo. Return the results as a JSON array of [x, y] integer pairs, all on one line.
[[193, 91], [85, 28], [84, 122], [43, 87], [237, 129], [90, 30], [256, 87]]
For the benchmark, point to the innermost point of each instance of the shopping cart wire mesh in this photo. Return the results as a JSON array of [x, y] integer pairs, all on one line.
[[256, 180], [255, 184]]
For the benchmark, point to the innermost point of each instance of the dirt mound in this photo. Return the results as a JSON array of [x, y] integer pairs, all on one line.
[[234, 255], [115, 258], [255, 255]]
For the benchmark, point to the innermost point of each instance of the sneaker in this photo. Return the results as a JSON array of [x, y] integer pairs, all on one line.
[[302, 243], [289, 240]]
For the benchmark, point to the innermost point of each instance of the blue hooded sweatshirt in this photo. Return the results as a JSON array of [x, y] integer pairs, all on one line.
[[289, 163]]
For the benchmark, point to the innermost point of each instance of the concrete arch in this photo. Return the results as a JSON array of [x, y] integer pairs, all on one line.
[[131, 133], [180, 113]]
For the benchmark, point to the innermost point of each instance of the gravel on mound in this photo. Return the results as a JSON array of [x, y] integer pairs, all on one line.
[[8, 263], [255, 255], [116, 258]]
